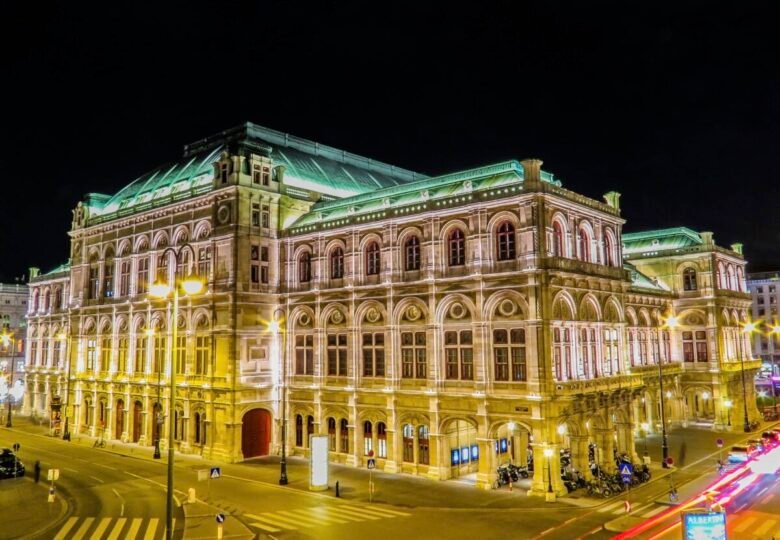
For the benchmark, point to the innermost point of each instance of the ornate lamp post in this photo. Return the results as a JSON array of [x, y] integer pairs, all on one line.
[[277, 327], [748, 329], [62, 337], [191, 286], [671, 323], [728, 404], [548, 452], [159, 417], [9, 342]]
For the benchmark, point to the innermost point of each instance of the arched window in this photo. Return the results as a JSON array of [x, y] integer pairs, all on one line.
[[332, 434], [368, 438], [422, 445], [558, 245], [57, 298], [505, 241], [381, 442], [344, 432], [298, 430], [731, 279], [584, 239], [179, 425], [457, 248], [309, 428], [609, 248], [337, 263], [34, 304], [47, 300], [740, 279], [412, 254], [372, 259], [199, 423], [304, 267], [408, 442], [689, 279]]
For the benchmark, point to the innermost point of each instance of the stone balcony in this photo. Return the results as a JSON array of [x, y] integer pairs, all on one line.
[[601, 384]]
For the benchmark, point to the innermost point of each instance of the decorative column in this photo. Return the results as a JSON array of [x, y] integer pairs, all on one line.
[[486, 472], [546, 469], [579, 453]]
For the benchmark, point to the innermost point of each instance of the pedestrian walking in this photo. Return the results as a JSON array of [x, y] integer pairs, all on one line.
[[37, 471]]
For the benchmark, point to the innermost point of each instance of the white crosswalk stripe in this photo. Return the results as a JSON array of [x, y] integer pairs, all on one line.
[[110, 528], [654, 511], [320, 516], [610, 507]]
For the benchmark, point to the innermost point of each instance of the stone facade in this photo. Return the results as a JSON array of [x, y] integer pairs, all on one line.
[[443, 323]]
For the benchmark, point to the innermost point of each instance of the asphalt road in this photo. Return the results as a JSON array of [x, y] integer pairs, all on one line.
[[111, 496]]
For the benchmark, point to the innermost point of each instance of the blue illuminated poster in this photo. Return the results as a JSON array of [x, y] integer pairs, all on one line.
[[704, 526], [464, 454], [503, 446], [496, 443], [455, 457], [474, 452]]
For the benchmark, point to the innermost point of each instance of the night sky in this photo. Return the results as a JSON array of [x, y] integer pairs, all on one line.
[[676, 106]]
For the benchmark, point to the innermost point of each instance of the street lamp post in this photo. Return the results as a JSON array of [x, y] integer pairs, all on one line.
[[727, 403], [645, 430], [8, 339], [159, 418], [748, 329], [277, 327], [671, 323], [63, 338], [191, 286], [548, 452]]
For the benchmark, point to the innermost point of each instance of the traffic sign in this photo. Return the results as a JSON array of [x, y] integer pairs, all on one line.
[[719, 442], [53, 474], [669, 461], [371, 463], [626, 472], [215, 473], [220, 518]]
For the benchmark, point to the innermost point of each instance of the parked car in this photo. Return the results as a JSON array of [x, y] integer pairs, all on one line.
[[10, 465], [740, 453], [759, 445], [770, 438]]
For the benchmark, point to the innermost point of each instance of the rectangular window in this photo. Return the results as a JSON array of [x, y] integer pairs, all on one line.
[[304, 355], [105, 354], [413, 363], [33, 352], [124, 278], [94, 283], [501, 355], [202, 354], [91, 353], [701, 346], [256, 174], [458, 354], [263, 274], [158, 357], [254, 272], [140, 354], [57, 351], [181, 345], [688, 354], [121, 356], [266, 175], [374, 354], [204, 261], [44, 352], [255, 215], [337, 355], [142, 275], [108, 279], [266, 219], [162, 269], [264, 253]]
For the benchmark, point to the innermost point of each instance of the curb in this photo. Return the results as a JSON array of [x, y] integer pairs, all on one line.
[[66, 511]]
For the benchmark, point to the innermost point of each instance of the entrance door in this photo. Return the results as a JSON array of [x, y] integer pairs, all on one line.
[[120, 418], [137, 421], [256, 433]]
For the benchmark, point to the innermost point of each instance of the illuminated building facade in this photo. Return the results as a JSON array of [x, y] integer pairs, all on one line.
[[444, 323]]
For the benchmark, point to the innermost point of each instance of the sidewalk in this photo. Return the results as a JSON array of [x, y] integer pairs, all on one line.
[[200, 524], [26, 510]]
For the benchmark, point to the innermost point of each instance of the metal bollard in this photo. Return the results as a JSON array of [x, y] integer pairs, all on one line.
[[191, 496], [337, 488]]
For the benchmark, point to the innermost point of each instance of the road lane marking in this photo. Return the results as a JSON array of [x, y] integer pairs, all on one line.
[[106, 466], [653, 512], [97, 479], [384, 512], [257, 523], [134, 526], [747, 522], [308, 519], [83, 529], [349, 517], [637, 508], [66, 528], [97, 534], [120, 523], [764, 527], [351, 512], [74, 471], [283, 520], [324, 518], [151, 529], [272, 522], [610, 507]]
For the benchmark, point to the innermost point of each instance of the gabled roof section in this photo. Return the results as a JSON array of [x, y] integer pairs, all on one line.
[[660, 240], [439, 191], [59, 271]]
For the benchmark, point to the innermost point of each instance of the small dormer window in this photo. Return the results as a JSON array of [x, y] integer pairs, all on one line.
[[256, 174], [266, 176]]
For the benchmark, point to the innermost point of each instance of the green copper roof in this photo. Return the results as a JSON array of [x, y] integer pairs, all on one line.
[[439, 191], [308, 166], [660, 240]]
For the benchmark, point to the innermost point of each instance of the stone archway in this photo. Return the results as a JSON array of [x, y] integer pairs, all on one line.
[[137, 421], [461, 449], [120, 419], [256, 433]]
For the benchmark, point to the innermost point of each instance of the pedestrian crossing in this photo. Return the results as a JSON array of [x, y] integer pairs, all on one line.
[[109, 528], [320, 516], [754, 525], [644, 510]]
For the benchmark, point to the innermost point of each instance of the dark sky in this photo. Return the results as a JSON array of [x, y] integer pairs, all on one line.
[[676, 106]]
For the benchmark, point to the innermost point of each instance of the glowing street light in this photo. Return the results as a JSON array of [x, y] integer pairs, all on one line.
[[548, 452], [276, 327], [748, 328], [671, 323], [728, 404]]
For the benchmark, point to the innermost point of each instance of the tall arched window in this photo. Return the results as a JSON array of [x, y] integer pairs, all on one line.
[[57, 298], [412, 254], [422, 445], [304, 267], [731, 279], [372, 259], [344, 429], [558, 245], [298, 430], [505, 241], [47, 300], [381, 443], [34, 304], [457, 248], [584, 241], [609, 248], [368, 438], [332, 434], [337, 263], [689, 279], [408, 443]]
